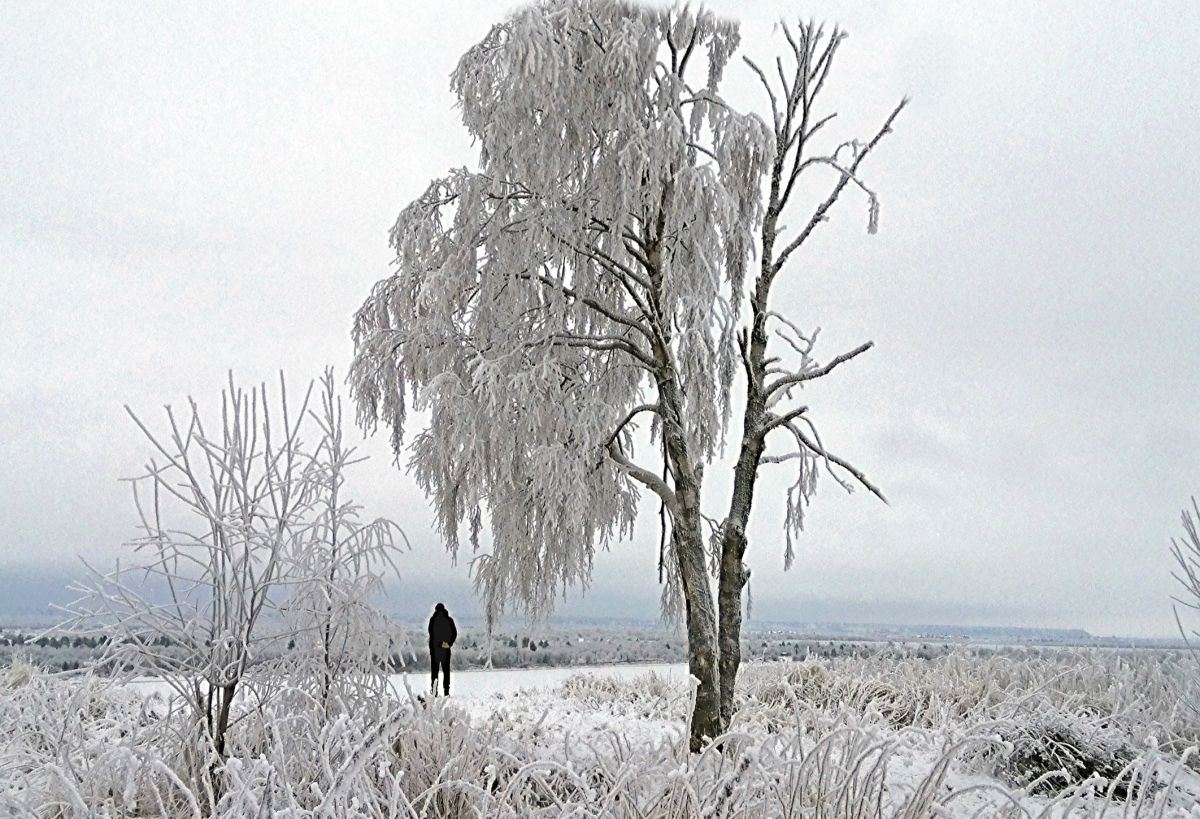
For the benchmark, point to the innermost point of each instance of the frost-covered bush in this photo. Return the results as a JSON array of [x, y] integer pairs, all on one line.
[[808, 681], [79, 748], [17, 675], [602, 689], [1049, 749], [1145, 691]]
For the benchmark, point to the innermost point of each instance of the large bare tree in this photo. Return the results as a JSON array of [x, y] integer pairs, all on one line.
[[774, 373], [586, 279]]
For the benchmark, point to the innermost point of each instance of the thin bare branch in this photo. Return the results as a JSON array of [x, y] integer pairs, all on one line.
[[792, 380]]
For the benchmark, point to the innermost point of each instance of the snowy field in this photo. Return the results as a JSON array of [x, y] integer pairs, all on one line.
[[487, 686], [480, 688], [902, 731], [1051, 734]]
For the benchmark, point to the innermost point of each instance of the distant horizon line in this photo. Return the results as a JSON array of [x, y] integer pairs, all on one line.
[[865, 624], [869, 629]]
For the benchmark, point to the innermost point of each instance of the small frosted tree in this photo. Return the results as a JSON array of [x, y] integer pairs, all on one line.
[[247, 546], [588, 278], [340, 641]]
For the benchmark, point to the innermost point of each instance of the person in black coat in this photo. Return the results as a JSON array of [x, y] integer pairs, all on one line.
[[442, 634]]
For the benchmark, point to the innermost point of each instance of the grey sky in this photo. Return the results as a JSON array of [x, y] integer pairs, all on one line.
[[187, 189]]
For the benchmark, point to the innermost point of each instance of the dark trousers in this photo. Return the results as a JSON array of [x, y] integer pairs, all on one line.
[[440, 658]]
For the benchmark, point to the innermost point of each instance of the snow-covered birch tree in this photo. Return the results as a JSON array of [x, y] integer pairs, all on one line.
[[590, 276], [574, 286], [776, 355]]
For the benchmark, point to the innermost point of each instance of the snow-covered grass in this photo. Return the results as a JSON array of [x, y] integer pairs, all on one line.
[[854, 737]]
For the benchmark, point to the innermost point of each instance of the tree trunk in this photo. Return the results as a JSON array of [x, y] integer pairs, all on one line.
[[687, 535], [733, 572], [218, 729], [221, 729], [687, 538], [688, 541]]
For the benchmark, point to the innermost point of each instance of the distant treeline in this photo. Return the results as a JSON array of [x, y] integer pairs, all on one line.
[[545, 647]]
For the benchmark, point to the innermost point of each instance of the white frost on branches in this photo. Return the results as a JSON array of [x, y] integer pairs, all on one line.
[[253, 572], [579, 280], [340, 641]]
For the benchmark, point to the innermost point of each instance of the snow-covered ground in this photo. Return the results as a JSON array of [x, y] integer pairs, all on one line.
[[573, 715], [960, 736], [484, 684], [560, 709], [480, 689]]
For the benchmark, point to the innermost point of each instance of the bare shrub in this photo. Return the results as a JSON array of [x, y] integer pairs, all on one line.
[[253, 575]]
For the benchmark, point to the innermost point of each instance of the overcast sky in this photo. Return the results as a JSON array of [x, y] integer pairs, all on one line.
[[190, 188]]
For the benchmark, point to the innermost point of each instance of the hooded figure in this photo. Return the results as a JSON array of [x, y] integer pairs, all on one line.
[[442, 635]]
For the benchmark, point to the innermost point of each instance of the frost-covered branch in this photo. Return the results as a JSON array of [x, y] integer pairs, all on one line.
[[786, 382], [645, 477], [608, 312], [629, 416], [602, 344], [773, 421], [815, 446], [847, 175]]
